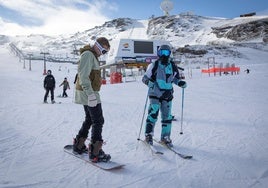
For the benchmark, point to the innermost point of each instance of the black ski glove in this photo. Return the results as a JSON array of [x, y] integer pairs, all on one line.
[[182, 84], [167, 95]]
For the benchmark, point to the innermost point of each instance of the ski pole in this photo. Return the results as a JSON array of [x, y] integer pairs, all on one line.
[[182, 101], [73, 94], [145, 105]]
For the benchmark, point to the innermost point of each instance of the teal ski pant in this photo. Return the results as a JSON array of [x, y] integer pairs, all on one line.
[[166, 117]]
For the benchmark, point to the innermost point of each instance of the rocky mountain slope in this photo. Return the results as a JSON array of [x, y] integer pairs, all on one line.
[[191, 35]]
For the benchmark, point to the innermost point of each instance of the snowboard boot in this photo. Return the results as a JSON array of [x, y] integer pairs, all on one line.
[[149, 139], [79, 145], [96, 154], [167, 141]]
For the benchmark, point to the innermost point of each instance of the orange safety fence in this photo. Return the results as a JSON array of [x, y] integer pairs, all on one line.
[[227, 69]]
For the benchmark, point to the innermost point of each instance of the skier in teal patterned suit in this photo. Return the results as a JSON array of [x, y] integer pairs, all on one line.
[[159, 77]]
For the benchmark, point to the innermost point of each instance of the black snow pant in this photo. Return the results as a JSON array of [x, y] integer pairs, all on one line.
[[51, 90], [64, 94], [94, 118]]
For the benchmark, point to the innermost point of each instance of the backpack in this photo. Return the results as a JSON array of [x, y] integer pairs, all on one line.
[[174, 69]]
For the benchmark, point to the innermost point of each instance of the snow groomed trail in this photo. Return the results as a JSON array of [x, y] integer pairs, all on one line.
[[225, 129]]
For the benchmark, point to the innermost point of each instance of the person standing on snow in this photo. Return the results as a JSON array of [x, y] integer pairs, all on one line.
[[49, 85], [87, 93], [159, 77], [66, 86]]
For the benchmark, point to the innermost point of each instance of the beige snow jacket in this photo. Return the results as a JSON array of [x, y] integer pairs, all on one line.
[[89, 77]]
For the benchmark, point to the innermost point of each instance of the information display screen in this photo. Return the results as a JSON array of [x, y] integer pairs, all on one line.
[[143, 47]]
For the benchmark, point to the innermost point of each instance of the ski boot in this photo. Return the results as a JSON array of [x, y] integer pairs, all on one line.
[[79, 145], [96, 154], [53, 102], [167, 141], [149, 139]]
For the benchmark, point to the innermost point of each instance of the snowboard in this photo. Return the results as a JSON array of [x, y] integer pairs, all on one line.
[[110, 165]]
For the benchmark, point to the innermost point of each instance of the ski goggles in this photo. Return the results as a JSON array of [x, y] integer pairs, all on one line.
[[164, 52], [102, 50]]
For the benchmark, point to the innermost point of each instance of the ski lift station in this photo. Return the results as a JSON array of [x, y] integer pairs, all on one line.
[[131, 53], [134, 52]]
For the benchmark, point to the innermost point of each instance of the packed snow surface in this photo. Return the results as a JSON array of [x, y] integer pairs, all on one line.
[[224, 125]]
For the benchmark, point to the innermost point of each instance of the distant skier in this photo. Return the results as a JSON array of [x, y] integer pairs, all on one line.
[[159, 77], [66, 86], [49, 85], [247, 71]]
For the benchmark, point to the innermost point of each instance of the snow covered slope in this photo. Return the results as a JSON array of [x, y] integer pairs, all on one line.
[[225, 118], [225, 129]]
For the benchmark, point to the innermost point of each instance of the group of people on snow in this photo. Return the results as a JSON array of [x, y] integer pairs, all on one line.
[[159, 77], [49, 86]]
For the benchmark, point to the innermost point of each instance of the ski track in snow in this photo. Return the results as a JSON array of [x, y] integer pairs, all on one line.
[[224, 126]]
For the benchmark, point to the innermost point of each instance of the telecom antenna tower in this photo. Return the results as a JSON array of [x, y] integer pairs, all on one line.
[[166, 6]]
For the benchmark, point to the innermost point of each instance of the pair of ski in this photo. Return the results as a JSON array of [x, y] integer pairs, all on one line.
[[155, 151]]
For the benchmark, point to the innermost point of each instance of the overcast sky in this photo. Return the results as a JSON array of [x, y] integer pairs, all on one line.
[[54, 17]]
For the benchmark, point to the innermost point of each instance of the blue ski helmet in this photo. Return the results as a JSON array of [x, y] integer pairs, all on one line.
[[164, 50]]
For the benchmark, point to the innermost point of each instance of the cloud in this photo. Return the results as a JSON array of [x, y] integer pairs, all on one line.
[[54, 17]]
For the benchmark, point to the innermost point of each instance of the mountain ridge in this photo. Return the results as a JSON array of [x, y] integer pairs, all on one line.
[[180, 30]]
